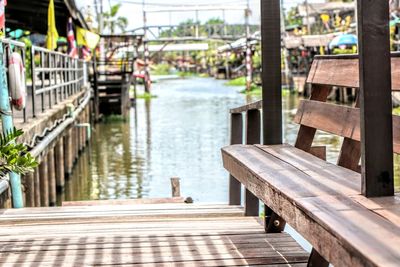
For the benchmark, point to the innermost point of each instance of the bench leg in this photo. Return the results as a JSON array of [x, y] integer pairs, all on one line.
[[251, 204], [272, 222], [234, 191], [316, 260]]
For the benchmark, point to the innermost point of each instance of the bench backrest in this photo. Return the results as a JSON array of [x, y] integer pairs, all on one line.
[[315, 114]]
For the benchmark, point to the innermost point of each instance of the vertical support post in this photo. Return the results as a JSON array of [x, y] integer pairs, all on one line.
[[68, 153], [236, 138], [37, 187], [29, 190], [33, 88], [271, 71], [52, 178], [375, 98], [272, 85], [7, 123], [253, 136], [59, 154], [44, 183], [249, 64], [175, 186]]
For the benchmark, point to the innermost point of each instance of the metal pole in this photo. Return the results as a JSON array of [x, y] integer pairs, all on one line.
[[307, 17], [146, 52], [375, 98], [7, 122]]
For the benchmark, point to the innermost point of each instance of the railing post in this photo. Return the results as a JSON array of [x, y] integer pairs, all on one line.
[[33, 78], [375, 98], [236, 138], [253, 136]]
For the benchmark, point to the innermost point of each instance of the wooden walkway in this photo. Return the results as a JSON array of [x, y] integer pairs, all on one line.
[[142, 235]]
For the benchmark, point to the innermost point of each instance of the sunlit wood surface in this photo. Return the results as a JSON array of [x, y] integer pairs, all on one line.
[[142, 235]]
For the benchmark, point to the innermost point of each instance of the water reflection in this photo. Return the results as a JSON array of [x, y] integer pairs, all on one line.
[[179, 133]]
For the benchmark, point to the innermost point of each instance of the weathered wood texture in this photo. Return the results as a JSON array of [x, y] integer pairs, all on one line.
[[322, 202], [375, 98], [236, 137], [343, 72], [338, 120], [143, 235]]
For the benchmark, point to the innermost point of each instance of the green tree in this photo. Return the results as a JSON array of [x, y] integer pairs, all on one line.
[[112, 21]]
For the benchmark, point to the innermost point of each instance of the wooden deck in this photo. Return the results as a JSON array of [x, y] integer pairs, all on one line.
[[142, 235]]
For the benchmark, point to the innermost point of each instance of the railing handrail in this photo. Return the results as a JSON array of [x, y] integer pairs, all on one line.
[[252, 106], [12, 42]]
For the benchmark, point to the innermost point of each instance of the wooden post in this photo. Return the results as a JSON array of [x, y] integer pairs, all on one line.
[[44, 183], [375, 98], [68, 150], [175, 187], [253, 136], [236, 138], [37, 187], [52, 178], [29, 190], [271, 79], [60, 172]]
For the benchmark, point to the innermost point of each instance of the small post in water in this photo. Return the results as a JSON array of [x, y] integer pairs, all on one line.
[[176, 186]]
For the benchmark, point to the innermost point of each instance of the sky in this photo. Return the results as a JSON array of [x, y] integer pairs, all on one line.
[[132, 9]]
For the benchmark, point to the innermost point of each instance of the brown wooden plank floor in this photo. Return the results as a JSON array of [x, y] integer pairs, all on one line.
[[142, 235]]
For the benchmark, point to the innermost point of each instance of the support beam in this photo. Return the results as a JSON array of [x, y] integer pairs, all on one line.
[[236, 138], [271, 85], [60, 170], [44, 183], [52, 178], [271, 71], [375, 98], [253, 136]]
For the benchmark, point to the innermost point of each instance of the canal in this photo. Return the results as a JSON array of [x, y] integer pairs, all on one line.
[[178, 133]]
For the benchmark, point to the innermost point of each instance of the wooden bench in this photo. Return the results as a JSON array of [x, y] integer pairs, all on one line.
[[320, 200]]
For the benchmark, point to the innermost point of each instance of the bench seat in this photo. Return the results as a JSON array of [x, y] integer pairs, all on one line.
[[322, 201]]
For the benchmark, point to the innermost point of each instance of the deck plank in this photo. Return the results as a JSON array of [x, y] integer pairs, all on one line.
[[145, 235]]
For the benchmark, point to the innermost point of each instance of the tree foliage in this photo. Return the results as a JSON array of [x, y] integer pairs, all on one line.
[[112, 21], [14, 157]]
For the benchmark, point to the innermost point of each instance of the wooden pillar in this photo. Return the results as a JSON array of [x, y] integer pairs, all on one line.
[[68, 150], [253, 136], [271, 81], [60, 172], [44, 183], [29, 190], [236, 138], [375, 98], [52, 178], [36, 177], [271, 71]]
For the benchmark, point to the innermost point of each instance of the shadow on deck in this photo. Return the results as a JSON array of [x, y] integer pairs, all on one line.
[[145, 235]]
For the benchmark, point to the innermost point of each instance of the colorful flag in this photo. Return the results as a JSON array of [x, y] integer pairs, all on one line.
[[86, 54], [52, 34], [72, 48], [87, 38], [3, 3]]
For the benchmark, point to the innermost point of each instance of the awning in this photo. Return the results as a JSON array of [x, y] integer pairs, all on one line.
[[32, 15]]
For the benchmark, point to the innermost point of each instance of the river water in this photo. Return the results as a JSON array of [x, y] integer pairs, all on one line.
[[179, 133]]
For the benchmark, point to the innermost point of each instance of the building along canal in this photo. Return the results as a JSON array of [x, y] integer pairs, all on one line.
[[178, 133]]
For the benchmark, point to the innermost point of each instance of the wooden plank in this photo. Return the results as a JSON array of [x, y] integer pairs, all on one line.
[[124, 201], [344, 72], [306, 134], [252, 106], [328, 219], [338, 120]]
